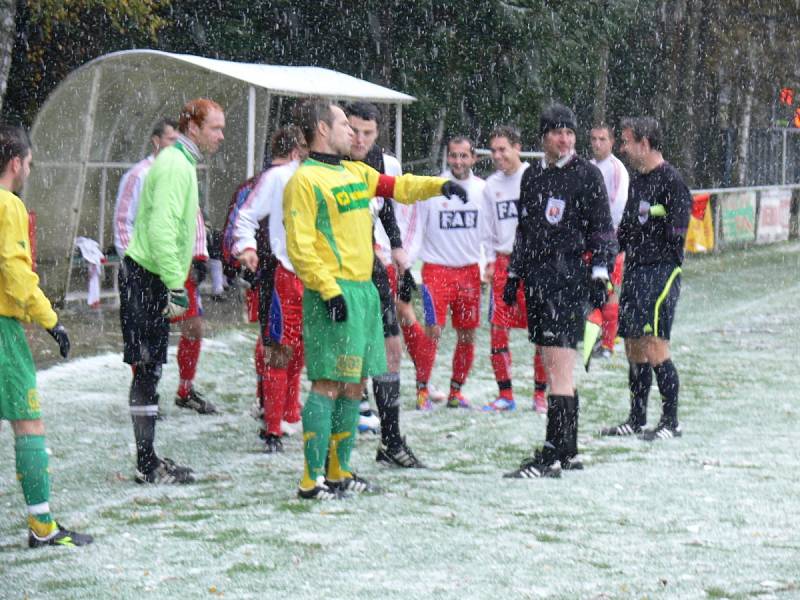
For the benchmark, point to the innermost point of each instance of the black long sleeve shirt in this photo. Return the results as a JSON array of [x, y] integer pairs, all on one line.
[[646, 239], [563, 216]]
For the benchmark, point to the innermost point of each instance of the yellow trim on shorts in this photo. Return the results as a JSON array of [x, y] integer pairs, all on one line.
[[675, 272]]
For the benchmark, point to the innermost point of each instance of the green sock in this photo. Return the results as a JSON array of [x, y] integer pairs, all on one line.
[[316, 432], [32, 473], [343, 437]]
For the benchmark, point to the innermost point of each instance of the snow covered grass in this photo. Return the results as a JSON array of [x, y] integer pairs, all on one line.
[[714, 514]]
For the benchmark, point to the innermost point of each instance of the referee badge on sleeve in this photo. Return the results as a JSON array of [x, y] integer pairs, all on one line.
[[554, 211], [644, 211]]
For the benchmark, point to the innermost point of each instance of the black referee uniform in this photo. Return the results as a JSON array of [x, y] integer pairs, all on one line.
[[564, 231], [653, 247]]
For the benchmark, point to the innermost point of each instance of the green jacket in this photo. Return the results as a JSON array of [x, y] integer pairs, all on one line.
[[166, 221]]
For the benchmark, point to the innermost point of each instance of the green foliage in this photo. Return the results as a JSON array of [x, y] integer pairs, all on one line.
[[471, 66]]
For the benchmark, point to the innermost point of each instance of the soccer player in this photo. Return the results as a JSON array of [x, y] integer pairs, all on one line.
[[329, 240], [501, 198], [652, 235], [365, 120], [130, 188], [22, 301], [282, 296], [453, 234], [563, 216], [156, 264], [616, 178]]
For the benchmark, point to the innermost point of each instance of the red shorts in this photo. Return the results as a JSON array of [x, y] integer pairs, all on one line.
[[392, 273], [251, 304], [458, 288], [616, 276], [286, 309], [195, 305], [500, 313]]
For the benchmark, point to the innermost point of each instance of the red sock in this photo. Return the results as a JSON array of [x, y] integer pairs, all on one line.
[[261, 367], [292, 409], [275, 391], [188, 355], [413, 336], [462, 362], [501, 360], [539, 374], [422, 350], [610, 322]]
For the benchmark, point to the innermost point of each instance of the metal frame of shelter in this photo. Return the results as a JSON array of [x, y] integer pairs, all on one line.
[[96, 124]]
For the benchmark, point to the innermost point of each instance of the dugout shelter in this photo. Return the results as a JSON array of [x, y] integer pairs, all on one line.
[[96, 124]]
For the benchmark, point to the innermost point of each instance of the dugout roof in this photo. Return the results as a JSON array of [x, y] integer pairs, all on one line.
[[96, 124]]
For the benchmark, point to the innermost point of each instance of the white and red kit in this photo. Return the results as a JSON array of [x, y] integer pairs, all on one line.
[[280, 388], [501, 201], [452, 236], [130, 189], [617, 181]]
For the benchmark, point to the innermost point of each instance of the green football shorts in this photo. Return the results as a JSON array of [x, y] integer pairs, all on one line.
[[347, 351], [19, 399]]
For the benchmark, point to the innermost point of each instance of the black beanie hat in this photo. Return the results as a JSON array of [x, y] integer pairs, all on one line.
[[557, 116]]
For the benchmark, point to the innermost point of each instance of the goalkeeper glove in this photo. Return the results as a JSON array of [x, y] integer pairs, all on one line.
[[59, 334], [337, 309], [177, 303], [451, 188]]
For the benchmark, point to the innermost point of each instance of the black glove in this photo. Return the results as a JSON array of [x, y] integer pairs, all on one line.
[[407, 285], [59, 334], [598, 292], [451, 188], [510, 290], [199, 270], [337, 309], [177, 304]]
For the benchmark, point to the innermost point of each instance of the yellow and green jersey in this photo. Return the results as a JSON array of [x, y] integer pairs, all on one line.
[[20, 295], [328, 221]]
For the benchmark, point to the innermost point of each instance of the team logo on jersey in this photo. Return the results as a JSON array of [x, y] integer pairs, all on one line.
[[458, 219], [554, 211], [644, 211], [507, 209], [353, 196]]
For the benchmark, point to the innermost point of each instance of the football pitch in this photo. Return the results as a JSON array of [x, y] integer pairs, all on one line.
[[715, 514]]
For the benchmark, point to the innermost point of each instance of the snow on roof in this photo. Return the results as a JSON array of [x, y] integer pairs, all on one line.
[[283, 80]]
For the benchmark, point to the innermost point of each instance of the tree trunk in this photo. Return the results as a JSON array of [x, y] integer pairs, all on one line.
[[436, 140], [744, 134], [8, 31], [601, 85]]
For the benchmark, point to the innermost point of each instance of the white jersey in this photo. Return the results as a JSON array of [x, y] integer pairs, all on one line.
[[617, 180], [130, 189], [127, 205], [383, 248], [454, 232], [264, 200], [501, 200]]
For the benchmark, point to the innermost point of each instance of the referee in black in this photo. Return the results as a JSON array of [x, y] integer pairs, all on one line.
[[562, 252], [652, 234]]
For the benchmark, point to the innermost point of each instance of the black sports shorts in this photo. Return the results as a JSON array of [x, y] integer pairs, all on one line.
[[649, 297], [380, 278], [555, 317], [142, 300]]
